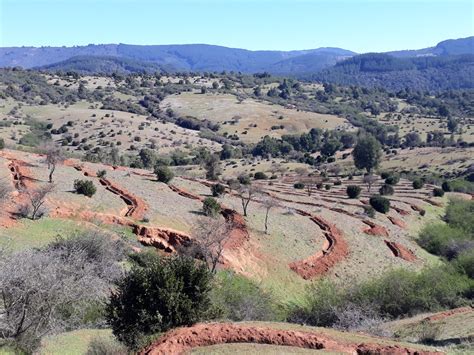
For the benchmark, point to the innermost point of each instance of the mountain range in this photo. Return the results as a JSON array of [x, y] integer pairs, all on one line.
[[328, 64]]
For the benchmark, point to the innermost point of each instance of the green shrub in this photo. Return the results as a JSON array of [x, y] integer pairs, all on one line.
[[260, 176], [460, 185], [298, 185], [392, 180], [158, 294], [369, 211], [384, 174], [101, 174], [438, 192], [217, 190], [353, 191], [465, 262], [2, 143], [417, 184], [238, 298], [441, 239], [319, 185], [459, 214], [163, 174], [380, 204], [211, 207], [101, 346], [244, 179], [446, 186], [386, 190], [84, 187], [337, 183]]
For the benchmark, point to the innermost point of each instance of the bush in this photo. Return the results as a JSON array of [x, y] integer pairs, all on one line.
[[386, 190], [442, 239], [327, 187], [369, 211], [260, 176], [84, 187], [101, 174], [217, 190], [465, 262], [459, 214], [101, 346], [337, 183], [211, 207], [446, 187], [244, 179], [238, 298], [384, 174], [2, 143], [380, 204], [438, 192], [392, 180], [353, 191], [298, 185], [460, 185], [319, 185], [163, 174], [396, 294], [417, 184], [156, 295]]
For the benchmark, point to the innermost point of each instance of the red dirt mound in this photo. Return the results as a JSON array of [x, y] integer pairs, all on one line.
[[239, 233], [334, 250], [375, 229], [445, 314], [185, 193], [397, 222], [400, 251], [165, 239], [181, 340], [136, 206]]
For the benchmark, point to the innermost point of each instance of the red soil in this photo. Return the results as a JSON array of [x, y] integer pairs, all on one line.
[[400, 251], [445, 314], [334, 250], [136, 206], [397, 222], [181, 340], [375, 229], [165, 239]]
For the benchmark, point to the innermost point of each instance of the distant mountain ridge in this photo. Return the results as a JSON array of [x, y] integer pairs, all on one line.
[[448, 65], [192, 57]]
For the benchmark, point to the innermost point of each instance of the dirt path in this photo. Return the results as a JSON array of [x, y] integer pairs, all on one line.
[[181, 340]]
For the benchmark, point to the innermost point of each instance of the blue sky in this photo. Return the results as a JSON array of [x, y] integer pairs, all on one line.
[[358, 25]]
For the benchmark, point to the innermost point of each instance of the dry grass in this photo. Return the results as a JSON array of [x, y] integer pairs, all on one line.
[[237, 118]]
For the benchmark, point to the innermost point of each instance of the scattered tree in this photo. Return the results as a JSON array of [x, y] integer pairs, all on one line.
[[211, 207], [36, 199], [367, 153], [54, 156], [85, 187], [369, 180], [163, 173], [353, 191], [268, 203]]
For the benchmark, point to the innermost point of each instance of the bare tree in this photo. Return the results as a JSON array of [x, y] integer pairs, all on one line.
[[369, 180], [334, 169], [269, 203], [246, 193], [310, 185], [36, 200], [50, 290], [54, 156], [209, 238]]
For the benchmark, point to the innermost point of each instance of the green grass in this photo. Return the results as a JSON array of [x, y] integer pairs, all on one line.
[[72, 343], [33, 234]]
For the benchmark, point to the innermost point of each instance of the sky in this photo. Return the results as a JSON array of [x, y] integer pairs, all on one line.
[[358, 25]]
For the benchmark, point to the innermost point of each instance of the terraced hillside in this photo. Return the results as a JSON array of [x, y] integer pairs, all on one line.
[[309, 236]]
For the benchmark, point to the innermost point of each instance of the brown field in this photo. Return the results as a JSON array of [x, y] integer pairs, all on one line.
[[238, 118]]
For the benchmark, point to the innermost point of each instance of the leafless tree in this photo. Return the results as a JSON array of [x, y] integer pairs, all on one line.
[[209, 238], [369, 180], [36, 200], [310, 184], [246, 193], [49, 290], [334, 169], [268, 203], [277, 168], [54, 156]]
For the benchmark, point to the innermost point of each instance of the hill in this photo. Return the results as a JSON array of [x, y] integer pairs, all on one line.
[[421, 73], [448, 47], [105, 65], [192, 57]]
